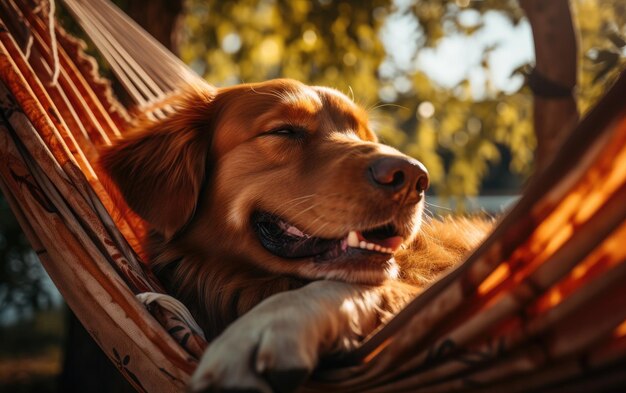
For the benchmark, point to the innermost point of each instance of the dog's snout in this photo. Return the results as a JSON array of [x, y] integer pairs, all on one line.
[[399, 174]]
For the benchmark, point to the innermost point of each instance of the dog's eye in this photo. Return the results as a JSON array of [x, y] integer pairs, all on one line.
[[287, 131], [284, 131]]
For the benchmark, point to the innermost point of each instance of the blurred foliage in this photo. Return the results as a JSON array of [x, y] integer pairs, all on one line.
[[24, 286], [31, 321], [602, 25], [339, 44]]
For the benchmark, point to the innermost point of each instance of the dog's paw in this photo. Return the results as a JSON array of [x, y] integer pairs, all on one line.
[[266, 350], [276, 345]]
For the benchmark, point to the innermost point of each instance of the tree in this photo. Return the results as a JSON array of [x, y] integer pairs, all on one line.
[[458, 137]]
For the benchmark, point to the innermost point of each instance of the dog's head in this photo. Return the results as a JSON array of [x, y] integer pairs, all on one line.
[[277, 174]]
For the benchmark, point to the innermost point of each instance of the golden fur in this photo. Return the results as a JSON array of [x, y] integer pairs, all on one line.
[[197, 177]]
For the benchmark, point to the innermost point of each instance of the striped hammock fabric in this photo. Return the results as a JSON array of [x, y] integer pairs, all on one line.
[[541, 305]]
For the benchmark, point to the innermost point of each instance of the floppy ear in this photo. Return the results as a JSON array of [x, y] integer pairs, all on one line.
[[159, 168]]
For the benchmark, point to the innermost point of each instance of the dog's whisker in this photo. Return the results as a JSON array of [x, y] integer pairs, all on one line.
[[305, 199], [294, 202], [378, 106], [319, 230], [371, 107], [428, 212], [437, 206], [304, 211], [271, 93]]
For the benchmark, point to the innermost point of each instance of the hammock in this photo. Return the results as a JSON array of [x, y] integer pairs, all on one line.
[[541, 305]]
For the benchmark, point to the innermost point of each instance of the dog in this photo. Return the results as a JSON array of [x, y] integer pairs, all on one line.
[[281, 222]]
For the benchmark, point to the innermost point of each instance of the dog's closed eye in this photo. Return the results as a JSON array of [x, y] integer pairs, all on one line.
[[288, 131]]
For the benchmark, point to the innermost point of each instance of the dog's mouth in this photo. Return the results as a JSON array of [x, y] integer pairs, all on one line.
[[285, 240]]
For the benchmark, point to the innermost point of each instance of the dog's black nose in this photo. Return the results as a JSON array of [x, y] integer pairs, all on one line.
[[399, 174]]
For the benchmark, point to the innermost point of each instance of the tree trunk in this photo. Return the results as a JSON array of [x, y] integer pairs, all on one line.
[[160, 18], [555, 111]]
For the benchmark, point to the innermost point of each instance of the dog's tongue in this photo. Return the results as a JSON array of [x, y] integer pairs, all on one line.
[[287, 241]]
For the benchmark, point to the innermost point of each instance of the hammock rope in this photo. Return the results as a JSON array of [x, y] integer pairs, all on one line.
[[540, 305], [151, 72], [45, 161]]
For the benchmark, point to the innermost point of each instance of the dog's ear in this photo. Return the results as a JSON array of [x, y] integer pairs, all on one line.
[[160, 167]]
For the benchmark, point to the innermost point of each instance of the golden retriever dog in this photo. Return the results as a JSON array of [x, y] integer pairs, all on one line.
[[284, 226]]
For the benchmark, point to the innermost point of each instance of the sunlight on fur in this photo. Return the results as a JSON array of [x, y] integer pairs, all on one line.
[[278, 219]]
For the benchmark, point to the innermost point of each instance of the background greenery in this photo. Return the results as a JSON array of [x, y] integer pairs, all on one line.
[[338, 43], [471, 143]]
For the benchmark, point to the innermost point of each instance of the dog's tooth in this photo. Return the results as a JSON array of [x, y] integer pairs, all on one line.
[[370, 246], [362, 244], [377, 247], [353, 239]]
